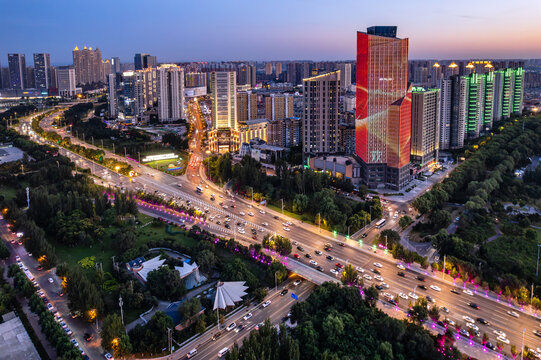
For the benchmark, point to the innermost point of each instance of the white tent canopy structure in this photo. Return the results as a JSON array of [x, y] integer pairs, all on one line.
[[228, 293]]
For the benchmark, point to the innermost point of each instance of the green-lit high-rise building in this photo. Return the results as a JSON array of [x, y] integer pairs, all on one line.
[[508, 92], [480, 103]]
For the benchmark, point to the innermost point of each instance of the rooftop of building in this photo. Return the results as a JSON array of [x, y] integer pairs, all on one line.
[[14, 340], [255, 121], [10, 154]]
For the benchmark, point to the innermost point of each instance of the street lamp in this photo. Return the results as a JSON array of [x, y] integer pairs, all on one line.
[[319, 221], [537, 269], [282, 207]]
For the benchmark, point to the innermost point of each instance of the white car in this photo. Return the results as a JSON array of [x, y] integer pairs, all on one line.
[[378, 278], [266, 303], [400, 266], [376, 264], [513, 314], [313, 262], [242, 213], [333, 271], [435, 288], [295, 243], [467, 292], [297, 282], [359, 269], [444, 309], [472, 326], [468, 319], [247, 316], [503, 340], [287, 229], [231, 326], [413, 295], [50, 280], [241, 230], [403, 296], [251, 213], [367, 277], [289, 223], [385, 286], [265, 224], [500, 333], [262, 212], [285, 224]]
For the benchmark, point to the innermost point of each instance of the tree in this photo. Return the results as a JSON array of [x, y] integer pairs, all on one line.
[[418, 313], [206, 260], [440, 218], [371, 295], [389, 237], [434, 313], [514, 351], [4, 251], [165, 283], [111, 331], [260, 294], [276, 272], [125, 239], [300, 202], [200, 325], [189, 308], [349, 275], [405, 221], [278, 243], [122, 346]]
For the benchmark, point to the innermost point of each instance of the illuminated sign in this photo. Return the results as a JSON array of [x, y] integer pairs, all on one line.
[[159, 157]]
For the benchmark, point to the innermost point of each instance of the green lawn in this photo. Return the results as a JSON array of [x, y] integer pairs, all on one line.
[[153, 233], [7, 192], [102, 252], [163, 165]]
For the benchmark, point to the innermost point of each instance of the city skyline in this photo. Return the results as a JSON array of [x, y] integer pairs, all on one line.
[[281, 32]]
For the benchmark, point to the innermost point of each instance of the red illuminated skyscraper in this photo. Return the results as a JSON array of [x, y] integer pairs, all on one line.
[[383, 111]]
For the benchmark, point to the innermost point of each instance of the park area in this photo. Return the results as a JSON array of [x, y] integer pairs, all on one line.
[[175, 166]]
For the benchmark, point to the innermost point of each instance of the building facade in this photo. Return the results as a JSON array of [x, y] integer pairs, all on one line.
[[279, 106], [246, 106], [170, 83], [425, 127], [42, 71], [321, 113], [285, 132], [382, 134], [66, 80], [88, 65], [224, 136], [345, 75], [143, 61], [17, 71], [253, 129]]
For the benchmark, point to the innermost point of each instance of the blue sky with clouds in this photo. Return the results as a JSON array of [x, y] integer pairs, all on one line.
[[181, 30]]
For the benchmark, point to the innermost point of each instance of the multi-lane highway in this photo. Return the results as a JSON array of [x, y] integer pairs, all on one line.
[[311, 239]]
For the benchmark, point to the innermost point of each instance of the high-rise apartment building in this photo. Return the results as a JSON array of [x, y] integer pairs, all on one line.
[[224, 136], [246, 75], [66, 81], [321, 109], [436, 75], [17, 71], [453, 112], [195, 79], [42, 71], [278, 106], [268, 69], [115, 65], [425, 127], [112, 94], [345, 75], [278, 68], [143, 61], [146, 89], [88, 65], [508, 92], [246, 106], [170, 81], [383, 109], [285, 132]]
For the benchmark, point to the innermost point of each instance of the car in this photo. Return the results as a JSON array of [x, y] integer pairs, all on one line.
[[444, 309], [297, 282], [341, 244], [283, 292], [450, 322], [266, 303], [403, 296], [318, 252], [430, 299], [276, 217], [455, 291], [40, 293], [376, 271], [359, 269], [247, 316], [296, 256], [513, 313], [68, 331], [422, 287], [435, 287], [216, 336], [467, 292], [537, 333], [482, 321], [265, 224], [300, 248], [108, 356], [259, 326], [367, 277], [330, 257], [63, 324], [333, 271], [287, 229], [472, 326], [378, 265], [39, 268], [88, 337], [385, 286], [239, 328], [231, 326], [313, 262], [251, 213], [464, 332], [392, 301], [490, 346], [503, 340], [421, 278], [319, 268], [468, 319], [50, 307], [378, 277], [242, 213], [262, 212], [400, 266], [401, 273], [500, 333], [74, 342], [413, 295], [307, 256], [327, 248], [473, 305], [364, 235], [338, 265]]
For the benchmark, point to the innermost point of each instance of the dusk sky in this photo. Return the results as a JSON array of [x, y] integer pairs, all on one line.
[[214, 30]]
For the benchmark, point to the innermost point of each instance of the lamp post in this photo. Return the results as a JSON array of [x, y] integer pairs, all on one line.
[[319, 221], [275, 281], [282, 207], [537, 269], [120, 303]]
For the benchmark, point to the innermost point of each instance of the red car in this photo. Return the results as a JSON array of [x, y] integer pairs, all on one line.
[[296, 256], [338, 265]]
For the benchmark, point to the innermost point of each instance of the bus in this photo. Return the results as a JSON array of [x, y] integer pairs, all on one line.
[[29, 275], [380, 223]]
